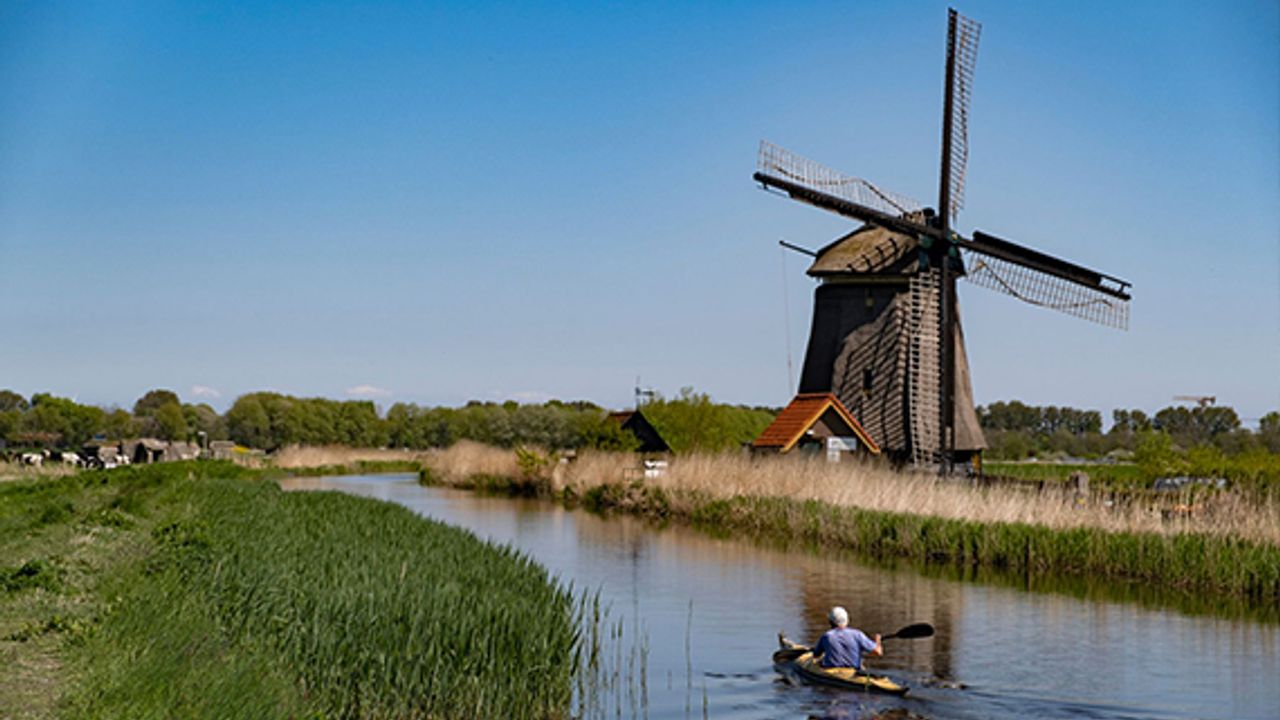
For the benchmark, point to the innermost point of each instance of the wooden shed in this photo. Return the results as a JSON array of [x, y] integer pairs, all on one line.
[[634, 421], [816, 422]]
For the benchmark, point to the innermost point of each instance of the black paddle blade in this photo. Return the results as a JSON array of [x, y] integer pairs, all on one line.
[[911, 632]]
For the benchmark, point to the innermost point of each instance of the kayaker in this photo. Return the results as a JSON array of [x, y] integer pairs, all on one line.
[[843, 646]]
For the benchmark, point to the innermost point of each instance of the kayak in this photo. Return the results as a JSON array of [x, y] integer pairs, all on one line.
[[810, 670]]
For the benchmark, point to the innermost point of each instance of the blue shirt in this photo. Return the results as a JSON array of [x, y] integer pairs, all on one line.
[[843, 647]]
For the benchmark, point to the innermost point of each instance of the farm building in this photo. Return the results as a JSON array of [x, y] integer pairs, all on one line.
[[151, 450], [634, 421], [814, 423]]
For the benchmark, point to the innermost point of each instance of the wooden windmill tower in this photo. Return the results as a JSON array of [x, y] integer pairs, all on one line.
[[886, 335]]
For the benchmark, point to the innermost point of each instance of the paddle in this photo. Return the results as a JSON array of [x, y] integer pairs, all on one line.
[[910, 632]]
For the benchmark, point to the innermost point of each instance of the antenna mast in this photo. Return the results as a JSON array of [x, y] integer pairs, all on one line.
[[642, 393]]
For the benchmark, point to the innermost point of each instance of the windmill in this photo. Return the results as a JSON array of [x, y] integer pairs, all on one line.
[[886, 336]]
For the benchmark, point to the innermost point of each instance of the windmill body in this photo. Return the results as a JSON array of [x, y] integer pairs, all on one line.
[[886, 336], [861, 342]]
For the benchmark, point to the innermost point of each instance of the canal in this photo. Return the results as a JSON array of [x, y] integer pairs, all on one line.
[[692, 620]]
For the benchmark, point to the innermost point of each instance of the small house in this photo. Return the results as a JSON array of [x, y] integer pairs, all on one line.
[[816, 423]]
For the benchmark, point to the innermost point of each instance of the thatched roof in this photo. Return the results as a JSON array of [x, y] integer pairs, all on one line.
[[868, 249]]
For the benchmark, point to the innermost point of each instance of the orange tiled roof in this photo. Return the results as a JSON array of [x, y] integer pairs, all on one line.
[[796, 418]]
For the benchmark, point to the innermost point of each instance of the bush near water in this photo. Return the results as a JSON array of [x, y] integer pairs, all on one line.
[[194, 590]]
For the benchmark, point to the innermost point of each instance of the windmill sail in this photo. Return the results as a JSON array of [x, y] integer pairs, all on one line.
[[962, 38], [816, 184], [1046, 281]]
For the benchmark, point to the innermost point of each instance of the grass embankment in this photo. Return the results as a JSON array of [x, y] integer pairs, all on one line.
[[1231, 549], [191, 590]]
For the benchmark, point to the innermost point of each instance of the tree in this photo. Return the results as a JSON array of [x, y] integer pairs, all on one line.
[[1269, 431], [1129, 422], [1156, 457], [12, 401], [596, 431], [10, 421], [153, 400], [248, 422], [202, 418], [119, 424], [691, 422], [72, 422], [1013, 415], [171, 423], [1196, 426]]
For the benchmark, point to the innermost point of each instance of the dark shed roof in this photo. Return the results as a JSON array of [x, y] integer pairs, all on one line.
[[650, 439]]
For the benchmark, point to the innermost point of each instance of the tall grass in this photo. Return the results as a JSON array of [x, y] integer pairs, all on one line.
[[296, 457], [1229, 545], [239, 600], [18, 471], [875, 487]]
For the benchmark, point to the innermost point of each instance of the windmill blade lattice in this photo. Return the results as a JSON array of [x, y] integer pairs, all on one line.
[[780, 163], [1040, 288], [965, 35]]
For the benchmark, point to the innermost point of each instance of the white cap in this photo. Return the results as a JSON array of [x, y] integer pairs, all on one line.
[[838, 616]]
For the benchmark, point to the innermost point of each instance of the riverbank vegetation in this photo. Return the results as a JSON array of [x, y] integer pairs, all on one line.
[[1038, 442], [1217, 543], [197, 590]]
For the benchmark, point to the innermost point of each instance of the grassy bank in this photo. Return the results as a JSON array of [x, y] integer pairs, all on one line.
[[194, 590], [1231, 552]]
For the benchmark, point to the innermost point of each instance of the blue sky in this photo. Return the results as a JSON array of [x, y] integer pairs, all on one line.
[[433, 203]]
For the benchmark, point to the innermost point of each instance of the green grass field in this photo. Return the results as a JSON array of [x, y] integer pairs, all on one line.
[[1120, 476], [196, 590]]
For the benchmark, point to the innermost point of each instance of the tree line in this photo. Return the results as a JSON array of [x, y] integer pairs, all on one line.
[[268, 420], [688, 421], [1017, 431]]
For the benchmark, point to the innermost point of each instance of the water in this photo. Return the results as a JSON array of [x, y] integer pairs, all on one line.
[[698, 618]]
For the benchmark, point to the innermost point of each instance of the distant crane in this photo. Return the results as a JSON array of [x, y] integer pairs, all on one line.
[[1203, 401]]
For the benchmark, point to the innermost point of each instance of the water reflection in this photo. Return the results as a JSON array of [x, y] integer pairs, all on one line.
[[708, 609]]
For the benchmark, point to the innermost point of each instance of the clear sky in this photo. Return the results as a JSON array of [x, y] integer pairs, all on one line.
[[434, 203]]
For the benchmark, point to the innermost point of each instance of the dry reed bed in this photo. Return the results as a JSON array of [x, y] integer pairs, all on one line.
[[872, 487], [298, 456], [1228, 548]]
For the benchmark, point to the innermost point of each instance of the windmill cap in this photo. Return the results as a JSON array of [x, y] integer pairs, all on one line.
[[838, 616]]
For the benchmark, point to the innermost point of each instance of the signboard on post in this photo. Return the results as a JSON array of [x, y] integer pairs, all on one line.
[[838, 445]]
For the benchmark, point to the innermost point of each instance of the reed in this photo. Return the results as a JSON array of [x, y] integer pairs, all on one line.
[[298, 457], [225, 597], [1223, 543], [874, 487]]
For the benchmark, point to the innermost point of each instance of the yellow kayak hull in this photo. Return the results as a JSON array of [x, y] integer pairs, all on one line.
[[811, 670]]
